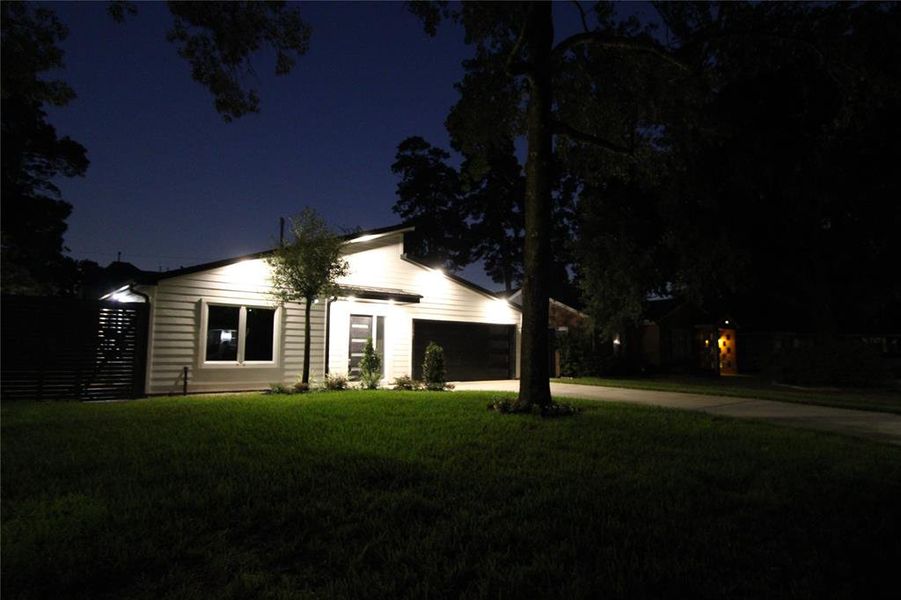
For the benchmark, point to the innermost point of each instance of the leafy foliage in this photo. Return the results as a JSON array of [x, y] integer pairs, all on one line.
[[434, 373], [307, 267], [310, 264], [428, 197], [462, 216], [407, 383], [34, 156], [580, 354], [768, 189], [218, 38], [335, 382], [279, 388], [521, 80]]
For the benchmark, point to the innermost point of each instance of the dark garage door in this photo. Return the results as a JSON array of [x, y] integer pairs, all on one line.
[[472, 351]]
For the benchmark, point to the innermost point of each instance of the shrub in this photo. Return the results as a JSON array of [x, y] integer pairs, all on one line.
[[433, 371], [370, 367], [579, 356], [370, 381], [279, 388], [335, 382], [407, 383], [832, 363], [301, 388]]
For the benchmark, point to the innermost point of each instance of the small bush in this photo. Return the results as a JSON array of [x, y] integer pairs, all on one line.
[[407, 383], [301, 388], [279, 388], [580, 354], [434, 372], [335, 382], [370, 367], [370, 381]]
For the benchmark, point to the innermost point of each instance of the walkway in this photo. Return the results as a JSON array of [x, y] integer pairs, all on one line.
[[885, 427]]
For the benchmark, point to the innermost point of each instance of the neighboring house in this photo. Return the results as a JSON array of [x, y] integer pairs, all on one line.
[[675, 336], [561, 317], [218, 322]]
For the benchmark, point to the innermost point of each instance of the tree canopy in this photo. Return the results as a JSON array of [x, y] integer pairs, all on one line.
[[523, 80], [306, 268], [217, 39], [34, 155], [770, 194]]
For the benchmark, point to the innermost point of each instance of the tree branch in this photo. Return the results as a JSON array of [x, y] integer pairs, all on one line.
[[566, 130], [607, 41], [585, 27], [512, 65]]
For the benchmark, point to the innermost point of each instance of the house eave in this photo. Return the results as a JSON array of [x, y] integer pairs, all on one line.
[[459, 280], [350, 238]]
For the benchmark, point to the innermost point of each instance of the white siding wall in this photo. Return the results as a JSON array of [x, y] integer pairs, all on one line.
[[177, 306], [379, 264]]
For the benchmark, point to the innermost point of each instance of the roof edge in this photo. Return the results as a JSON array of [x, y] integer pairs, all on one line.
[[464, 282], [348, 238]]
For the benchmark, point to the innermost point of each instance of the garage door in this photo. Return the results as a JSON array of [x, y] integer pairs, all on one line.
[[472, 351]]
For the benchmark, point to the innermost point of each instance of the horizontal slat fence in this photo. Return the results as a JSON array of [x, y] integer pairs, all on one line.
[[72, 349]]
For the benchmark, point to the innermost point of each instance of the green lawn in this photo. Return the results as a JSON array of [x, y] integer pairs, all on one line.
[[752, 387], [412, 495]]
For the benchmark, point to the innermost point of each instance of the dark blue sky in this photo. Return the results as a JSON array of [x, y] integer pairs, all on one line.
[[171, 184]]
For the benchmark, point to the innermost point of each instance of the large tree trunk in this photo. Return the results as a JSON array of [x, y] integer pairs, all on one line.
[[306, 342], [534, 386]]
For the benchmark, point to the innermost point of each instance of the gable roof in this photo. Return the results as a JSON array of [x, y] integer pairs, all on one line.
[[151, 278], [457, 279], [515, 299]]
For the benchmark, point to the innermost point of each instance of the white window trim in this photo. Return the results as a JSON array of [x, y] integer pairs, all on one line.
[[203, 363]]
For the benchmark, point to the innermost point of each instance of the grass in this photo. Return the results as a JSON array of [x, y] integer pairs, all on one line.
[[411, 495], [752, 387]]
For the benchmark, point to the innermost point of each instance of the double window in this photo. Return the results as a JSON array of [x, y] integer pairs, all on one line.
[[239, 334]]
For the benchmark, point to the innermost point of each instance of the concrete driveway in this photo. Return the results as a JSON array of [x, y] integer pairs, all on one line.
[[884, 427]]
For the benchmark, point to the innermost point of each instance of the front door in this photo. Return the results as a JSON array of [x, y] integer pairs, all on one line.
[[360, 332]]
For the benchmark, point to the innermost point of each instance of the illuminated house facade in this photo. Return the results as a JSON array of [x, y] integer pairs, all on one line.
[[216, 327]]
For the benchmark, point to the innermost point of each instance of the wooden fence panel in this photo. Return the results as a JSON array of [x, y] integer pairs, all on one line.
[[72, 349]]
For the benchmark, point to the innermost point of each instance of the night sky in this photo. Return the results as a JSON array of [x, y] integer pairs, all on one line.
[[170, 184]]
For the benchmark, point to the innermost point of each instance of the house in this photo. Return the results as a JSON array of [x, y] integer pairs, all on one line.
[[561, 318], [215, 327], [674, 335]]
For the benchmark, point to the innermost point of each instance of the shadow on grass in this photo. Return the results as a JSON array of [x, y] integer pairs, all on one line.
[[408, 496]]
